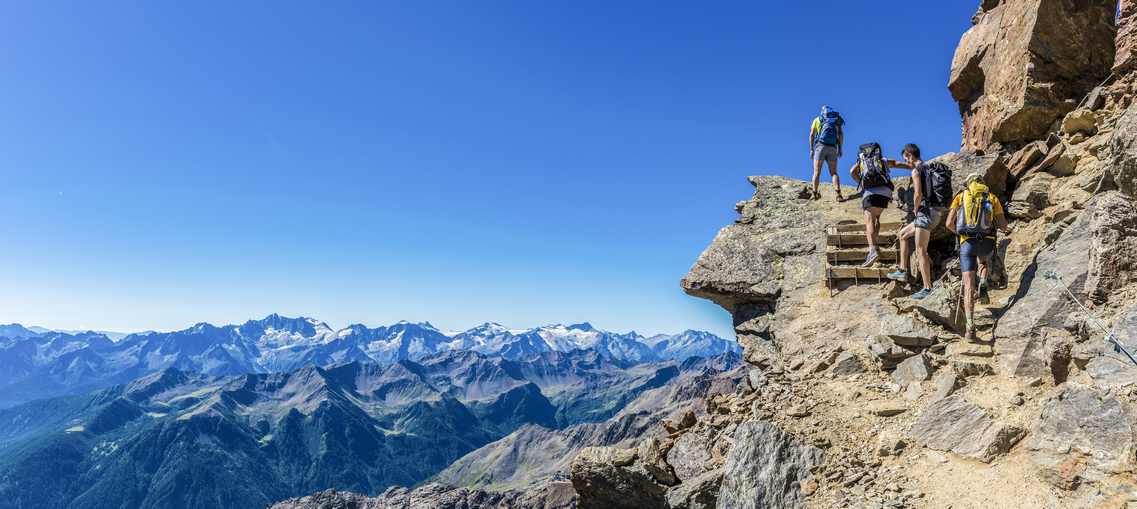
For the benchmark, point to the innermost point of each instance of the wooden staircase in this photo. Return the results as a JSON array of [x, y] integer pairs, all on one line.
[[847, 248]]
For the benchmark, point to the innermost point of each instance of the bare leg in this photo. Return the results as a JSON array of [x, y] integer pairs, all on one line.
[[968, 291], [982, 270], [925, 264], [870, 227], [902, 238], [816, 175], [836, 178]]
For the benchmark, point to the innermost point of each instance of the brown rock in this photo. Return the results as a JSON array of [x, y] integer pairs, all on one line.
[[687, 420], [669, 426], [886, 352], [914, 369], [601, 479], [1081, 432], [808, 486], [1079, 121], [688, 455], [1126, 39], [952, 424], [698, 493], [907, 331], [1070, 45], [813, 367], [1024, 159], [797, 411], [887, 409], [1058, 213], [847, 364], [969, 368]]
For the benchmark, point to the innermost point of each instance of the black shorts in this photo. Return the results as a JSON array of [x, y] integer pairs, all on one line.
[[875, 200]]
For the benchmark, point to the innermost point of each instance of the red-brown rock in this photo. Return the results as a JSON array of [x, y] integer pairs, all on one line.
[[1069, 43]]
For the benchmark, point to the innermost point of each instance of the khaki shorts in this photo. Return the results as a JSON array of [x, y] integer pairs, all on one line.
[[823, 152]]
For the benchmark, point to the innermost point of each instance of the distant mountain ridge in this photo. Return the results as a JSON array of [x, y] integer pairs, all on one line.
[[35, 365], [183, 439]]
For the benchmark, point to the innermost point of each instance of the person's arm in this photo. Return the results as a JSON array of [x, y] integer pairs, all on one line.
[[811, 138], [840, 141], [918, 189], [1002, 222], [893, 163], [855, 172], [950, 221]]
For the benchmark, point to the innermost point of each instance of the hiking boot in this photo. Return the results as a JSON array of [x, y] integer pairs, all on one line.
[[969, 336], [839, 197], [924, 292], [899, 275], [816, 196], [983, 298], [871, 259]]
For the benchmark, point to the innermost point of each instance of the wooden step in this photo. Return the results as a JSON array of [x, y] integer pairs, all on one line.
[[851, 239], [876, 273], [858, 255], [860, 228]]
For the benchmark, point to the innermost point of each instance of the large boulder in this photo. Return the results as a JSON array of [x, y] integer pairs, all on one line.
[[907, 331], [991, 167], [1107, 366], [702, 492], [1081, 434], [1094, 255], [914, 369], [886, 352], [765, 468], [1069, 47], [952, 424], [606, 477], [773, 247], [1034, 191], [688, 455]]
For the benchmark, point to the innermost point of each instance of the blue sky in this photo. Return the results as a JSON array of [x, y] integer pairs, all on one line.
[[520, 162]]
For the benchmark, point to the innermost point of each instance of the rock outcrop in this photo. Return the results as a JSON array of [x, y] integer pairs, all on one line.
[[437, 496], [1092, 257], [765, 468], [1082, 434], [1026, 63], [952, 424], [607, 477]]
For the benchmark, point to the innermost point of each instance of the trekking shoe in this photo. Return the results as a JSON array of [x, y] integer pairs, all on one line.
[[924, 292], [839, 197], [984, 298], [816, 196], [899, 275], [871, 259], [969, 335]]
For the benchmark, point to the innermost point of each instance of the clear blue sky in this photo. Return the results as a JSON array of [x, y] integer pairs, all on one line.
[[521, 162]]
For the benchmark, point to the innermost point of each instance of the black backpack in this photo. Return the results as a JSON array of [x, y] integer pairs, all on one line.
[[874, 171], [937, 185]]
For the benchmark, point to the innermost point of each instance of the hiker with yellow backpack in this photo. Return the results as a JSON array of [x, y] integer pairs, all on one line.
[[973, 216]]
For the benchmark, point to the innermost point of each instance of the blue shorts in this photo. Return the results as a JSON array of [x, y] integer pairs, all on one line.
[[823, 152], [974, 250]]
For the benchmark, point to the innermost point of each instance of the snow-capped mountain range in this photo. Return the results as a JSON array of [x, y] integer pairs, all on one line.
[[35, 365]]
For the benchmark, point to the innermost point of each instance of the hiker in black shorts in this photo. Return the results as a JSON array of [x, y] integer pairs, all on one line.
[[871, 173]]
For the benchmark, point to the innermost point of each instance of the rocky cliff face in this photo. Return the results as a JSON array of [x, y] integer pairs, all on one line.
[[864, 397], [1027, 63]]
